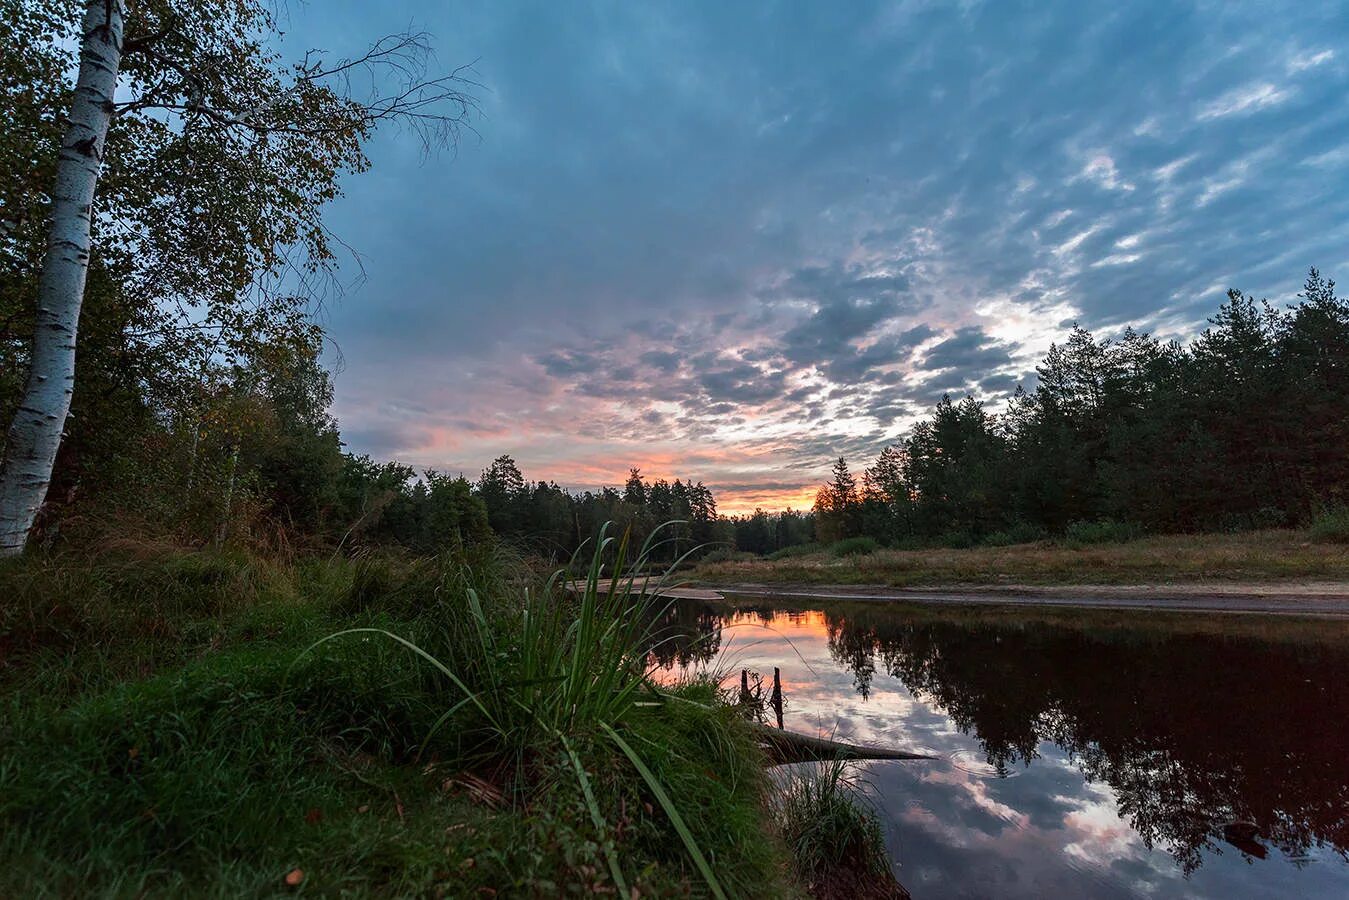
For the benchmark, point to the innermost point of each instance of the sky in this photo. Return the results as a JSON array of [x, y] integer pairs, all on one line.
[[734, 241]]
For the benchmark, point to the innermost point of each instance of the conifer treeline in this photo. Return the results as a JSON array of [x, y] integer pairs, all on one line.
[[549, 518], [1247, 427], [388, 503]]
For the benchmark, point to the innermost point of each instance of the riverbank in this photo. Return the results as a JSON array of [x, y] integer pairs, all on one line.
[[1313, 600], [1271, 562], [185, 722]]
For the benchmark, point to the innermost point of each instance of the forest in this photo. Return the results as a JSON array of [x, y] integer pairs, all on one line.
[[1244, 428]]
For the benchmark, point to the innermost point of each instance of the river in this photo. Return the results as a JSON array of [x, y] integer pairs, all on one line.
[[1080, 754]]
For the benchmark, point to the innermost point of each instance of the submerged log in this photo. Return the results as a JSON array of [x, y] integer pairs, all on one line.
[[789, 747]]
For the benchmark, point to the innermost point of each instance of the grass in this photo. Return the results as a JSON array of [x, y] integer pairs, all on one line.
[[835, 837], [211, 723], [1272, 555]]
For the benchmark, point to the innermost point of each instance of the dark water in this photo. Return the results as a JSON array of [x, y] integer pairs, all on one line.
[[1076, 761]]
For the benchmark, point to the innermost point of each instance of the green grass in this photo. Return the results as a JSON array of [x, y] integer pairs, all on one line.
[[189, 723]]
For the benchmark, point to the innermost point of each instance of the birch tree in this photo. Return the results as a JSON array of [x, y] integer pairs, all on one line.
[[193, 164], [35, 433]]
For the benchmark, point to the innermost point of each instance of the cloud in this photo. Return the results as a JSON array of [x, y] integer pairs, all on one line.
[[1304, 61], [887, 350], [969, 349], [1102, 170], [676, 244], [1243, 100]]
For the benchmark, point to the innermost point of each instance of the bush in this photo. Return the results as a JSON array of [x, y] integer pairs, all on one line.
[[794, 551], [854, 546], [727, 554], [1103, 531], [1331, 526], [957, 540], [1020, 533]]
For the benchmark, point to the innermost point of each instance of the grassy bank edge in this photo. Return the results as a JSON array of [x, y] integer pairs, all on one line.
[[165, 733], [1279, 556]]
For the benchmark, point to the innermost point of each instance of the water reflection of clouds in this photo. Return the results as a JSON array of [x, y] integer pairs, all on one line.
[[952, 833]]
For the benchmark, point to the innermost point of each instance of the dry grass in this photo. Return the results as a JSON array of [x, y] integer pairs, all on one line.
[[1276, 555]]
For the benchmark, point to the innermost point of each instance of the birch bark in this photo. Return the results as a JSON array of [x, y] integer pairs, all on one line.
[[39, 423]]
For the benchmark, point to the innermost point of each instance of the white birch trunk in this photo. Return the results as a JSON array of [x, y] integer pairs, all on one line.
[[35, 434]]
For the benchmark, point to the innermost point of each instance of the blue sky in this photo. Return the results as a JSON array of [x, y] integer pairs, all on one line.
[[735, 240]]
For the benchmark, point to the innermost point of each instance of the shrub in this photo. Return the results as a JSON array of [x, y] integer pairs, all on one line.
[[957, 540], [727, 554], [1020, 533], [794, 551], [1331, 526], [854, 546], [1103, 531]]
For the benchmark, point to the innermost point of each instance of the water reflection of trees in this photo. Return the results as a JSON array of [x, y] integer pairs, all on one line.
[[685, 633], [1190, 731]]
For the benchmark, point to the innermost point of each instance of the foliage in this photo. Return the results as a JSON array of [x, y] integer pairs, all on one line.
[[1331, 526], [795, 551], [1018, 533], [836, 506], [854, 546], [197, 381], [1103, 531], [766, 533], [726, 554]]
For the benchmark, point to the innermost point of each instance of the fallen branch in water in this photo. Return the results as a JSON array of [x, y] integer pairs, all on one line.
[[789, 747]]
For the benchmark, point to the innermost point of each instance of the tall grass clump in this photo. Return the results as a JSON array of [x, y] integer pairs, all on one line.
[[1331, 526], [855, 546], [562, 668], [834, 838]]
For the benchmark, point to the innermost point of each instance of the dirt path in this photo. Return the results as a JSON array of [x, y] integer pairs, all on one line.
[[1321, 599]]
